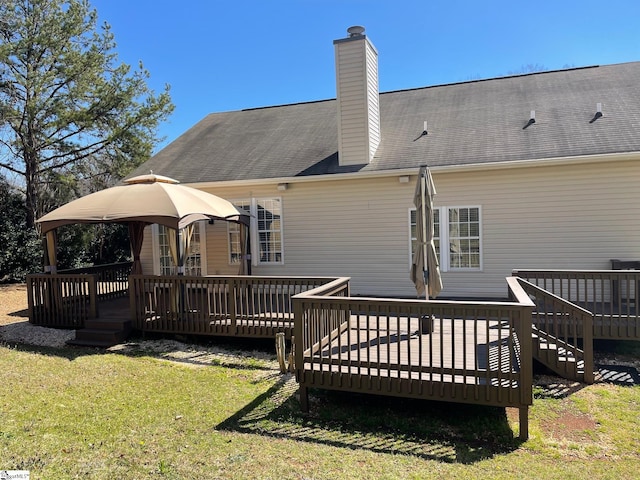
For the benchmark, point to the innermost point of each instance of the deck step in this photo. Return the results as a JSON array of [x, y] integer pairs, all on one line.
[[123, 324], [556, 356], [91, 343], [102, 332]]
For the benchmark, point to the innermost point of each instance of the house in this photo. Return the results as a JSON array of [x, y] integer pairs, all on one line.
[[532, 171]]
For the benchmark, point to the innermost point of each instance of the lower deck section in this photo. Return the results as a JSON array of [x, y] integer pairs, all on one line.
[[448, 359]]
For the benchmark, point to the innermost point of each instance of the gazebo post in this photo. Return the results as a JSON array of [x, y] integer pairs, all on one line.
[[50, 243], [180, 251], [181, 258]]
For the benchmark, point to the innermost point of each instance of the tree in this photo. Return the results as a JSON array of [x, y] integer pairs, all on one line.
[[71, 116]]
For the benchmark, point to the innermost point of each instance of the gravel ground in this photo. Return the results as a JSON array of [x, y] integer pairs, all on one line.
[[15, 328], [14, 325]]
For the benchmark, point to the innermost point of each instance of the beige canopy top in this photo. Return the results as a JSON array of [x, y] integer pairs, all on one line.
[[149, 199]]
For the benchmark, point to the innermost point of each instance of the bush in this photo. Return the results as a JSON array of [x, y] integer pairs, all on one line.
[[20, 248]]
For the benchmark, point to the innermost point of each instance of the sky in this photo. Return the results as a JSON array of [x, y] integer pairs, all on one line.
[[229, 55]]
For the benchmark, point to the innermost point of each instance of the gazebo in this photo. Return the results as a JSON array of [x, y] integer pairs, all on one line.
[[142, 201]]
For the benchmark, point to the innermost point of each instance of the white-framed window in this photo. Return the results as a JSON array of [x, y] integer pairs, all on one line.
[[464, 238], [265, 230], [461, 229], [195, 262]]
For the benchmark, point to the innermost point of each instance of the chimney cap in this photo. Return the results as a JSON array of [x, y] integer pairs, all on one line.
[[355, 31]]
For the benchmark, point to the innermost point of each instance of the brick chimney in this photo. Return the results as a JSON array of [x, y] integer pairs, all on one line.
[[358, 98]]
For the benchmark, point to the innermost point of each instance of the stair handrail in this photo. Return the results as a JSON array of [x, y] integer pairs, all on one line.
[[583, 314]]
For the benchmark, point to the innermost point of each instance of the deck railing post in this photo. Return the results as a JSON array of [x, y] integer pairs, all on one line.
[[526, 367], [134, 298], [298, 336], [93, 296], [234, 292], [587, 347], [298, 346], [523, 421], [30, 299]]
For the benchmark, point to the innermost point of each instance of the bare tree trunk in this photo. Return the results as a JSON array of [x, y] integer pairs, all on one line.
[[31, 180]]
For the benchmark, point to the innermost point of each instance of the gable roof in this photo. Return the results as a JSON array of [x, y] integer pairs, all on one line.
[[468, 123]]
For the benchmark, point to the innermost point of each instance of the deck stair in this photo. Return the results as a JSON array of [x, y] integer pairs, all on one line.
[[102, 332], [559, 327], [113, 326], [558, 356]]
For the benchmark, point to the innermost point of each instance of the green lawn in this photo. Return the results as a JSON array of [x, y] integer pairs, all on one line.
[[75, 413]]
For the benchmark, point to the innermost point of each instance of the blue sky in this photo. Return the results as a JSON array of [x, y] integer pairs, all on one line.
[[229, 55]]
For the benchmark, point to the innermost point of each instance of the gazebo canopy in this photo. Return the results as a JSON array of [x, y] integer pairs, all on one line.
[[143, 200], [149, 199]]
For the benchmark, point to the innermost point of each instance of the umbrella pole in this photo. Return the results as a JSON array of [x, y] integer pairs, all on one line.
[[426, 322], [425, 272]]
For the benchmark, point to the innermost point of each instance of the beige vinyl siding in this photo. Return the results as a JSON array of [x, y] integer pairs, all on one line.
[[357, 96], [563, 217], [572, 216], [146, 254], [218, 250], [337, 228]]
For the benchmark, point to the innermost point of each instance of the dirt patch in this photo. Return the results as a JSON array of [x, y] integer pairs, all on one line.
[[570, 425], [13, 303]]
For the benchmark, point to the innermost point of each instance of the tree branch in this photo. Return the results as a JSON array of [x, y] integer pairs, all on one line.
[[8, 166]]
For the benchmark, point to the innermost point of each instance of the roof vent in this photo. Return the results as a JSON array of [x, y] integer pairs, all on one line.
[[355, 31], [598, 113], [532, 119]]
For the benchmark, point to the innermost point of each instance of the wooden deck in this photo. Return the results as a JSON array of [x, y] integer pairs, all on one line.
[[472, 352]]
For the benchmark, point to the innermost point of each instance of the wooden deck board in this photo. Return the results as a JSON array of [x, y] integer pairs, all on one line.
[[458, 351]]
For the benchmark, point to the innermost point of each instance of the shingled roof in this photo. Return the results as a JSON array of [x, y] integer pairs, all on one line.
[[468, 123]]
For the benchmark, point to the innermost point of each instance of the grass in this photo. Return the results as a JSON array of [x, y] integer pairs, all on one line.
[[74, 413]]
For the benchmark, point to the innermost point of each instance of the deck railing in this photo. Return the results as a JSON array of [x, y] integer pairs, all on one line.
[[62, 300], [613, 296], [217, 305], [67, 298], [476, 352], [113, 278], [563, 334]]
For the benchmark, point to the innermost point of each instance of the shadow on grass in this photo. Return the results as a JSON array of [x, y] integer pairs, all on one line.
[[445, 432], [617, 375], [236, 353]]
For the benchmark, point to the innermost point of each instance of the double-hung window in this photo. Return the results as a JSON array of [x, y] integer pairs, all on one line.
[[460, 229], [265, 231], [464, 237]]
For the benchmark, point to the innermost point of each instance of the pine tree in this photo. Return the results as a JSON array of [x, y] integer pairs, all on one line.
[[69, 111]]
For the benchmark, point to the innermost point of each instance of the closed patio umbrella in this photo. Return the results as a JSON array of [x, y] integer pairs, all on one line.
[[425, 269]]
